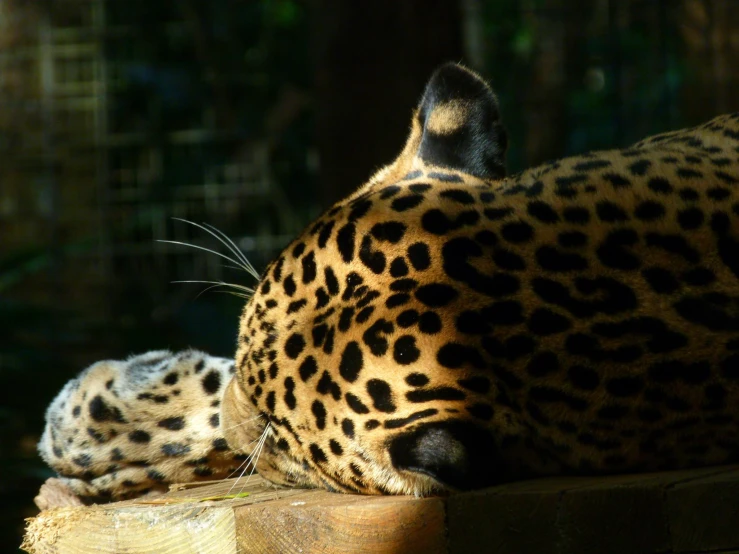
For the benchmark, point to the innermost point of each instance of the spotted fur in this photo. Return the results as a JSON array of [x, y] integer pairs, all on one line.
[[448, 328], [125, 428]]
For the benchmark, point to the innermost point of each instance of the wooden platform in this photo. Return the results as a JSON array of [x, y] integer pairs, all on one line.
[[677, 512]]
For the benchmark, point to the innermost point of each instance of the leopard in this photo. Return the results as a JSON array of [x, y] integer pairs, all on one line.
[[130, 428], [449, 327]]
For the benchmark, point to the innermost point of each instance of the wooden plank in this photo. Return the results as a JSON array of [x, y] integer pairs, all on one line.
[[704, 513], [509, 519], [625, 513], [683, 512], [170, 523], [326, 522], [187, 529], [268, 520], [616, 514]]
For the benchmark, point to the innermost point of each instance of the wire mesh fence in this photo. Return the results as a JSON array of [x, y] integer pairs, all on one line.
[[114, 119], [118, 116], [98, 179]]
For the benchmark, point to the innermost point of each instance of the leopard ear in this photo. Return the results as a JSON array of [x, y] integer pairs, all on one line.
[[460, 124], [458, 454], [456, 126]]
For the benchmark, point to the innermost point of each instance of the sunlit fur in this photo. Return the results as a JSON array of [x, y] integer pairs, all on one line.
[[447, 327], [126, 427], [603, 430]]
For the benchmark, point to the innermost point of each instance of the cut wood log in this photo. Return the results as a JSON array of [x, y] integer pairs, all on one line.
[[679, 512], [203, 519]]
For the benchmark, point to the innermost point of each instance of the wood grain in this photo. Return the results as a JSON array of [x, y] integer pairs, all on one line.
[[692, 512], [268, 520], [326, 522]]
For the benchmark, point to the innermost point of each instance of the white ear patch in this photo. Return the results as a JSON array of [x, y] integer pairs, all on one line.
[[449, 117]]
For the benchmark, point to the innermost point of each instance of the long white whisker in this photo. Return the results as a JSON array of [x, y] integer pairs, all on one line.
[[202, 292], [218, 236], [235, 249], [228, 243], [235, 471], [253, 458], [258, 452], [221, 284], [232, 293], [245, 462], [255, 453], [238, 267], [246, 466], [205, 249], [250, 457], [242, 423]]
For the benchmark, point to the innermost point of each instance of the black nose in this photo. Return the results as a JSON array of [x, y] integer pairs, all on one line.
[[458, 454]]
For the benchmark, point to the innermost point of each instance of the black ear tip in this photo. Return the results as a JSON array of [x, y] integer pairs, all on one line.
[[460, 124], [452, 81], [452, 70]]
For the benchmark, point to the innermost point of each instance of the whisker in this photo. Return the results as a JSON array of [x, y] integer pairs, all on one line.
[[235, 249], [254, 458], [250, 457], [232, 293], [242, 423], [218, 234], [238, 267], [231, 245], [258, 452], [202, 292], [240, 295], [236, 470], [224, 239], [205, 249], [246, 466], [245, 462], [248, 290]]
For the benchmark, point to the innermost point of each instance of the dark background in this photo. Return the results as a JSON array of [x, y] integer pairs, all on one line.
[[254, 115]]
